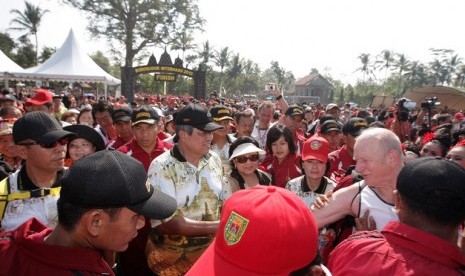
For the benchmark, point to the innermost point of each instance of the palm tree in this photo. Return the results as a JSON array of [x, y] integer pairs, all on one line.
[[385, 62], [453, 64], [184, 41], [366, 66], [235, 69], [460, 77], [29, 20], [222, 60], [401, 64], [206, 53]]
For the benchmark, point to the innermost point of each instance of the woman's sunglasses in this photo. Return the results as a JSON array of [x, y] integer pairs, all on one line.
[[62, 141], [243, 159]]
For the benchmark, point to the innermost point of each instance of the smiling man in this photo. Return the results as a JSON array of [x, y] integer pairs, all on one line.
[[32, 191], [192, 174]]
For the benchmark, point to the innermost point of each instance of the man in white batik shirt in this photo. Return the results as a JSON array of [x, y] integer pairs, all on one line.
[[192, 174]]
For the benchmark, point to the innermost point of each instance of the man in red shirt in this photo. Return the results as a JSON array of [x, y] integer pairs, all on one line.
[[430, 203], [293, 121], [145, 147], [103, 201], [340, 160], [122, 123]]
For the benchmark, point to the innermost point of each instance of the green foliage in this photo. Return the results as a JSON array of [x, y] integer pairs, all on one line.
[[7, 44], [46, 53], [28, 21]]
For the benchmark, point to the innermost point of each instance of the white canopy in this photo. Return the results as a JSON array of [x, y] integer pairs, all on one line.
[[69, 63], [7, 65]]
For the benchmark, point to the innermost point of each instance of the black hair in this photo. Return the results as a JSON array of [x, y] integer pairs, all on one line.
[[101, 106], [275, 133], [69, 214], [326, 117], [241, 114], [435, 211]]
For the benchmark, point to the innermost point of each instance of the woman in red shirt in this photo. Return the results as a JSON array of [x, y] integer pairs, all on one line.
[[283, 163]]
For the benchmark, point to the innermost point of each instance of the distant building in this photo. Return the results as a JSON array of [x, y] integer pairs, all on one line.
[[313, 88]]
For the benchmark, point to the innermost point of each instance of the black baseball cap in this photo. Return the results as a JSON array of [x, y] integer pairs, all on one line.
[[354, 126], [198, 116], [421, 179], [122, 113], [294, 111], [111, 179], [330, 125], [39, 126], [145, 114], [220, 113]]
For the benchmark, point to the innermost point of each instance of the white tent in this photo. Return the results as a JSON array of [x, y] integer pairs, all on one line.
[[6, 66], [69, 63]]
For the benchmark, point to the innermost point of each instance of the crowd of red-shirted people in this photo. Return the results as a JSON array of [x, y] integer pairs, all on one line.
[[379, 190]]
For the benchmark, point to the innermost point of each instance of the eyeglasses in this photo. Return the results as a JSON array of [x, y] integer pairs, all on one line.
[[52, 145], [243, 159]]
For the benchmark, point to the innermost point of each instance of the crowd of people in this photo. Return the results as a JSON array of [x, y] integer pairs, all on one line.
[[180, 186]]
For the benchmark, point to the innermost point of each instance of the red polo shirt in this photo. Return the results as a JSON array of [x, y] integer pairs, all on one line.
[[399, 249], [133, 149]]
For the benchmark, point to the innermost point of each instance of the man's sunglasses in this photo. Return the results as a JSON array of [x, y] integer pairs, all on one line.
[[243, 159], [52, 145]]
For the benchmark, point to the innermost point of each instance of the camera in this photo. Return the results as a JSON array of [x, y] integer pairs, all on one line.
[[430, 103], [270, 87]]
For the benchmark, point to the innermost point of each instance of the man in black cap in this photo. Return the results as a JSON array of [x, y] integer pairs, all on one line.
[[103, 201], [430, 202], [145, 147], [293, 121], [122, 123], [332, 132], [221, 137], [33, 190], [191, 174], [340, 160]]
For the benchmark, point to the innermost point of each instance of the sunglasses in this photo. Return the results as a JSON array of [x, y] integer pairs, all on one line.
[[243, 159], [52, 145]]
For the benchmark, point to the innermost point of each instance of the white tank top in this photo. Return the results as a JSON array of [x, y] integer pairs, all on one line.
[[381, 211]]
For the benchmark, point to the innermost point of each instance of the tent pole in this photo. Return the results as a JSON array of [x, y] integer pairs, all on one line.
[[106, 96]]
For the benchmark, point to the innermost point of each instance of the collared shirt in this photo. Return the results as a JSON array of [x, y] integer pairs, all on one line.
[[283, 172], [43, 207], [339, 160], [117, 143], [133, 149], [197, 190], [223, 153], [399, 249], [23, 252]]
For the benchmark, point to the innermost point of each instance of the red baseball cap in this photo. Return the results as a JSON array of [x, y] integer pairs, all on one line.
[[264, 230], [459, 116], [315, 148], [41, 97]]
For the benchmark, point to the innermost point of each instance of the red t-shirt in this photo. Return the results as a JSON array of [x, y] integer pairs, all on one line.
[[399, 249], [23, 252], [339, 161]]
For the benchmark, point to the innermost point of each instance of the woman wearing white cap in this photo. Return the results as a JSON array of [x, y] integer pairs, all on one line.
[[245, 157]]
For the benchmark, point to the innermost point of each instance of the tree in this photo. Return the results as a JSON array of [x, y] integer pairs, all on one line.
[[366, 66], [385, 62], [46, 53], [206, 53], [25, 55], [101, 60], [29, 20], [136, 24], [7, 44], [401, 64], [235, 68], [222, 60], [132, 25]]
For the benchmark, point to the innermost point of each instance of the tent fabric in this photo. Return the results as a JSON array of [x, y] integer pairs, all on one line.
[[69, 63], [452, 98], [7, 65]]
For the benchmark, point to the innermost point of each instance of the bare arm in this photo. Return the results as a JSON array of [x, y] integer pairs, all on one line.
[[179, 225], [282, 102], [337, 206]]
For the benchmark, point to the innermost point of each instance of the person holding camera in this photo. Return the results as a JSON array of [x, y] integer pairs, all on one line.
[[401, 125]]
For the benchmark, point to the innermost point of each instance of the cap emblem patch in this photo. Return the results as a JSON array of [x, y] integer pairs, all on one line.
[[315, 145], [235, 228]]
